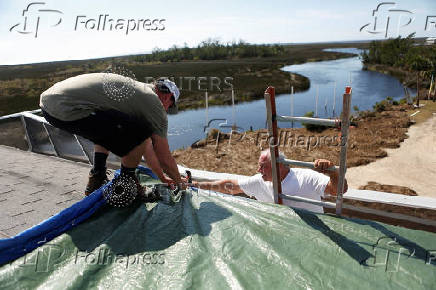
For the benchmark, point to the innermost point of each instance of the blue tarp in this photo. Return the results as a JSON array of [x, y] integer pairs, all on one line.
[[28, 240]]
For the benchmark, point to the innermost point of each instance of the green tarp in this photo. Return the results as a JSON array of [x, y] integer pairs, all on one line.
[[208, 241]]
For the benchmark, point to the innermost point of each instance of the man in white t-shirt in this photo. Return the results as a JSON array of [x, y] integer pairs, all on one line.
[[306, 183]]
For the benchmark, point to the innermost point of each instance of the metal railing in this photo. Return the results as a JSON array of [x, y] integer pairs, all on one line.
[[42, 137], [344, 124], [309, 120]]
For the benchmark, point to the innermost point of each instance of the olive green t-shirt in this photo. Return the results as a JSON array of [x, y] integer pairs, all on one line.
[[77, 97]]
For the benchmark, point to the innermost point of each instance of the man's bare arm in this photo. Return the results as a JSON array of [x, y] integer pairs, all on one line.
[[166, 160], [321, 166], [153, 162], [228, 186], [332, 186]]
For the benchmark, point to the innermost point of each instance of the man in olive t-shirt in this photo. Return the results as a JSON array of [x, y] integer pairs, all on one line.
[[118, 114]]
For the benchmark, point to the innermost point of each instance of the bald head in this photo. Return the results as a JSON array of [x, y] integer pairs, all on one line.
[[264, 165]]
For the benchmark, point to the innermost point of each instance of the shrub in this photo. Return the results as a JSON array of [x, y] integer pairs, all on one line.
[[366, 114], [380, 106], [213, 133]]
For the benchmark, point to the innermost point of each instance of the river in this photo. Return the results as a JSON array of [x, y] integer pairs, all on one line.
[[368, 88]]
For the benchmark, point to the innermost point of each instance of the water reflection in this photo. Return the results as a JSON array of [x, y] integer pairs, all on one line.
[[368, 88]]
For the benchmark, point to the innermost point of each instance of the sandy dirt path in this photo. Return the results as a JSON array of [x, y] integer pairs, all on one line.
[[412, 165]]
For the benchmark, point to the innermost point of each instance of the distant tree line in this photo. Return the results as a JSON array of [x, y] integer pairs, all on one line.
[[212, 50], [401, 52]]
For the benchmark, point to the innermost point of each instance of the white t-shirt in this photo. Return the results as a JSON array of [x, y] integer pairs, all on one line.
[[299, 182]]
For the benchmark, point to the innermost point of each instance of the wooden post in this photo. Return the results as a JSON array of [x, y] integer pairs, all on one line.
[[292, 105], [233, 109], [325, 106], [417, 89], [334, 101], [217, 142], [409, 99], [345, 123], [273, 142], [207, 108]]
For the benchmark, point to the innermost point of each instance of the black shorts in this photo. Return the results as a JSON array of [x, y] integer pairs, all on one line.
[[116, 131]]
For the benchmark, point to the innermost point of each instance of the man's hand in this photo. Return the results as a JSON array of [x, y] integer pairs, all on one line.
[[172, 184], [197, 184], [167, 180], [184, 183], [321, 165], [183, 186]]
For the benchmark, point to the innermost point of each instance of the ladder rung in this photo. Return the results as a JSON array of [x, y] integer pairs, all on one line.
[[304, 164], [308, 120]]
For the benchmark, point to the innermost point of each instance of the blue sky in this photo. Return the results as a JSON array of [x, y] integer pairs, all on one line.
[[191, 22]]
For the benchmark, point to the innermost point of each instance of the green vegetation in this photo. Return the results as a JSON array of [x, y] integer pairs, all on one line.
[[212, 50], [401, 52], [252, 69], [380, 106], [403, 58], [383, 105], [403, 101], [386, 103]]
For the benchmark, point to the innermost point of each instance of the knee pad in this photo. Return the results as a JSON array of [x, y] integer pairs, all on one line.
[[122, 191]]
